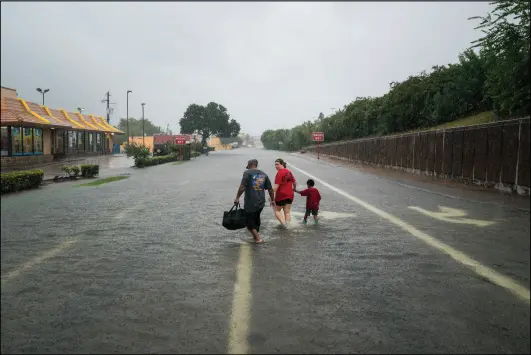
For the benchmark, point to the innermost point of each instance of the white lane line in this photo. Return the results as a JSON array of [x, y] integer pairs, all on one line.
[[37, 260], [480, 269], [457, 197], [241, 304]]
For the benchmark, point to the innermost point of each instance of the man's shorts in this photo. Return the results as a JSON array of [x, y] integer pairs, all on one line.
[[284, 202], [313, 212], [253, 219]]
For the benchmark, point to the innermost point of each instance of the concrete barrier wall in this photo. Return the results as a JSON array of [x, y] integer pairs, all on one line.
[[494, 155]]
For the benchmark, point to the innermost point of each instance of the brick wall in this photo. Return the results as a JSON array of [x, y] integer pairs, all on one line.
[[494, 155], [25, 162]]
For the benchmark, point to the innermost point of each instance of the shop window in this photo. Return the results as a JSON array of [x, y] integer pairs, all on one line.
[[60, 141], [28, 140], [90, 142], [80, 141], [37, 141], [16, 141], [72, 140], [4, 141], [98, 142]]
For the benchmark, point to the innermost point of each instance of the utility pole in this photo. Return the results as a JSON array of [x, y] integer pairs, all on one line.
[[109, 103], [143, 134], [128, 92]]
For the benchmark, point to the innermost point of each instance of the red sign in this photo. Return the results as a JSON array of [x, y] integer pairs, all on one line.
[[180, 140], [317, 136]]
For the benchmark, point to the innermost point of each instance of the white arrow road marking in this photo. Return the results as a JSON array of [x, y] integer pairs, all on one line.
[[452, 215]]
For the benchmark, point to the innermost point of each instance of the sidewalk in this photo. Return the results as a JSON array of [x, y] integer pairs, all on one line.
[[109, 165]]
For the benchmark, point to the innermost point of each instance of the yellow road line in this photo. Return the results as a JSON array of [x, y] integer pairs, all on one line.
[[480, 269], [37, 260], [241, 304]]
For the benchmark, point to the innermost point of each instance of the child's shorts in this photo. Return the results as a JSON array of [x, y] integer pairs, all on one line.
[[313, 212]]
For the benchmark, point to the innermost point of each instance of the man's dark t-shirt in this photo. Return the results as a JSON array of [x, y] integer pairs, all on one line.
[[255, 182]]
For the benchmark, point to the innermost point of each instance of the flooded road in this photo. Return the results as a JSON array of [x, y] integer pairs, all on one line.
[[143, 265]]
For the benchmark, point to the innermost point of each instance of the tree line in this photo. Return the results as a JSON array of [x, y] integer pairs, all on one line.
[[492, 75], [135, 128]]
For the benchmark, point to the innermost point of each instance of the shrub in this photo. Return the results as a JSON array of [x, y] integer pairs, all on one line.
[[136, 150], [89, 170], [143, 162], [195, 154], [21, 180], [72, 171]]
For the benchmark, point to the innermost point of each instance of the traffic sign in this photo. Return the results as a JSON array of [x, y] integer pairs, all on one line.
[[317, 136], [180, 139]]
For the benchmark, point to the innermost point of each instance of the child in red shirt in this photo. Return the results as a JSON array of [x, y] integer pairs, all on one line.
[[313, 197]]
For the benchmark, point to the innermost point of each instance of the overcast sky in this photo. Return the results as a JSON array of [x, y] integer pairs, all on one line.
[[273, 65]]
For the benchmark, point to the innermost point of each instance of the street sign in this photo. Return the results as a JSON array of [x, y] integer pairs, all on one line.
[[317, 136], [180, 139]]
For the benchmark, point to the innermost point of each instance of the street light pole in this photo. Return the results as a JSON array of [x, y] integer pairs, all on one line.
[[127, 119], [143, 134], [43, 92]]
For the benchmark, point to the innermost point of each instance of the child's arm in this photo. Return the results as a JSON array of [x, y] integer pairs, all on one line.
[[303, 192]]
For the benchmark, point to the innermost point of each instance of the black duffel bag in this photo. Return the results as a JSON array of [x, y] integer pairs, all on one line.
[[234, 218]]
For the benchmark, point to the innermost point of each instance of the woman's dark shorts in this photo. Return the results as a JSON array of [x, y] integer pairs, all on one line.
[[253, 219], [284, 202]]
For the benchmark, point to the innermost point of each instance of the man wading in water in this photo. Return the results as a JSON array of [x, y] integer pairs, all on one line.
[[254, 183]]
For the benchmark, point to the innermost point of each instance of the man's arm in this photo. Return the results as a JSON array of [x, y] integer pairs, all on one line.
[[271, 196], [271, 191], [241, 189]]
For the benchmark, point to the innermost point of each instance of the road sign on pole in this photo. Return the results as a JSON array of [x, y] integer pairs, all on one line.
[[318, 137], [181, 140]]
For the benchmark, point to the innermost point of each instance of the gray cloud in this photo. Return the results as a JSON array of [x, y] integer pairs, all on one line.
[[272, 65]]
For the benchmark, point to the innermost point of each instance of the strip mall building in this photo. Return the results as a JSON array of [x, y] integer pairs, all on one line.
[[33, 134]]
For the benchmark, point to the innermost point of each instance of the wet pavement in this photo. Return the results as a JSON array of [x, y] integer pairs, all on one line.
[[109, 165], [143, 265]]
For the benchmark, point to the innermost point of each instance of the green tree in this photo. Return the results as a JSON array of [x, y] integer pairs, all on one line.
[[506, 45], [212, 119]]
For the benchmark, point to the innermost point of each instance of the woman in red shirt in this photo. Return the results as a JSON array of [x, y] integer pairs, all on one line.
[[285, 184]]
